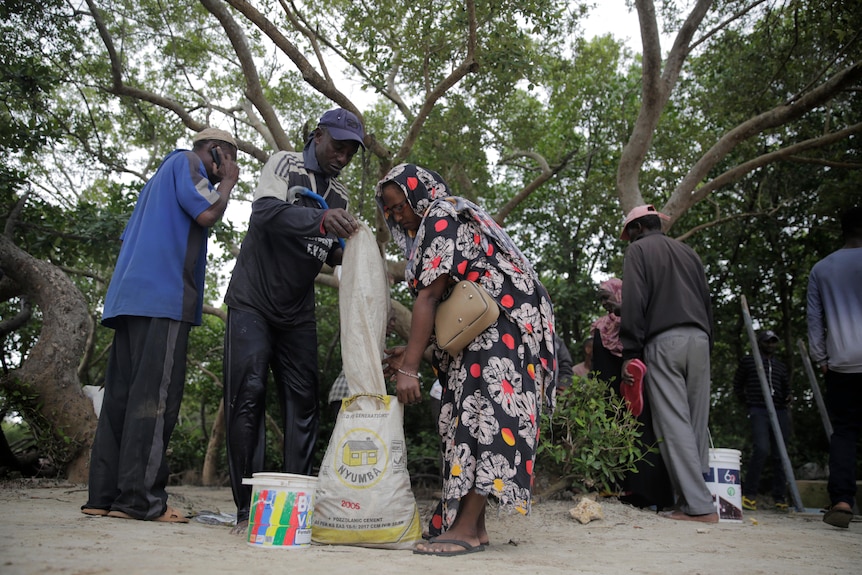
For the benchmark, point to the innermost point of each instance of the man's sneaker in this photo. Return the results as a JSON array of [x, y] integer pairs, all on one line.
[[781, 505], [749, 504]]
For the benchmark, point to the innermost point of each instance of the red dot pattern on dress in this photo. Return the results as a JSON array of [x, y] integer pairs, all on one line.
[[508, 340]]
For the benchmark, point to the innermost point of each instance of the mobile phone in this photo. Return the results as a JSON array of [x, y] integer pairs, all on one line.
[[215, 156]]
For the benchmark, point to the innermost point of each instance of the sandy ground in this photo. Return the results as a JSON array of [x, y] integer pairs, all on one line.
[[44, 532]]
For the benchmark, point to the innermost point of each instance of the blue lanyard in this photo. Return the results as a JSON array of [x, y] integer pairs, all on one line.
[[300, 191]]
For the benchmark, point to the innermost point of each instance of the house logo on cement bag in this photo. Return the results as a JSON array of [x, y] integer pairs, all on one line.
[[361, 459]]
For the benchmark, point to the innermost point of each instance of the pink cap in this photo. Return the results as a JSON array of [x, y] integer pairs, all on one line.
[[639, 212]]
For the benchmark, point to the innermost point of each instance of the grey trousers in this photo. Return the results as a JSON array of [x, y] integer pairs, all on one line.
[[677, 386]]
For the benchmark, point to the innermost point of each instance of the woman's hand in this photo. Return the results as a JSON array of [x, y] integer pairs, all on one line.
[[408, 389], [393, 360]]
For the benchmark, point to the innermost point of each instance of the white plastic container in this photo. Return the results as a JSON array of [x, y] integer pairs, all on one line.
[[282, 506], [725, 484]]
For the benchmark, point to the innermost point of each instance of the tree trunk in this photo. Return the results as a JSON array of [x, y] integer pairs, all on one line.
[[217, 435], [48, 378]]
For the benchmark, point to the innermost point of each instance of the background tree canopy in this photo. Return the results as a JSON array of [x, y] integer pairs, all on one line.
[[744, 128]]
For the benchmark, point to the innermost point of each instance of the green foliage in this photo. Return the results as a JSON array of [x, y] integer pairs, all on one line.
[[591, 438]]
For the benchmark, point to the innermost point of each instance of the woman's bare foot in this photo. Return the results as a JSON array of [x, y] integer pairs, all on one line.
[[483, 537], [451, 542]]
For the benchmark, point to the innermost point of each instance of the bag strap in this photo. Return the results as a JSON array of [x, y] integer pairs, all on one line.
[[384, 399]]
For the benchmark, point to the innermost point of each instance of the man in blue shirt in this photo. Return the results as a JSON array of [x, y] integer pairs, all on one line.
[[835, 343], [155, 296]]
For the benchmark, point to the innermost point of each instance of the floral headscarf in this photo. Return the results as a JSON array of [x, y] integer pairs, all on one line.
[[609, 325], [421, 188]]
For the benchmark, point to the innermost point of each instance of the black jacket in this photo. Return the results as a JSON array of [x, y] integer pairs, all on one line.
[[746, 384]]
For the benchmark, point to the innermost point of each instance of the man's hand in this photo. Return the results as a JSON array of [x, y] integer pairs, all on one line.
[[339, 222], [625, 376], [228, 171]]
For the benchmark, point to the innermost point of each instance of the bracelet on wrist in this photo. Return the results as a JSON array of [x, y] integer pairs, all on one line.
[[407, 373]]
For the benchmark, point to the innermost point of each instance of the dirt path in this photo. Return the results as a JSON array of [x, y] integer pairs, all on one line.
[[44, 532]]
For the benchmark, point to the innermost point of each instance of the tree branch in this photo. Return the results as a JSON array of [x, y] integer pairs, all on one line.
[[468, 65], [545, 174], [320, 83], [118, 88], [20, 319], [789, 152], [656, 88], [254, 90], [718, 221], [683, 196], [724, 23]]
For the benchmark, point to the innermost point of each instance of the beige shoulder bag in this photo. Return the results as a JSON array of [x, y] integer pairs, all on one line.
[[468, 311]]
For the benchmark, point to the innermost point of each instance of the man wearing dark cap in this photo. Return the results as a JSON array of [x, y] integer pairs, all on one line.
[[835, 344], [155, 296], [298, 215], [666, 322], [748, 389]]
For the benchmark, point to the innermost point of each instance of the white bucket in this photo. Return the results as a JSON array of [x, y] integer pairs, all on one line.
[[282, 505], [724, 482]]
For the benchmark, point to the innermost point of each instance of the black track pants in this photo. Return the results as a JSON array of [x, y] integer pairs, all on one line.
[[143, 390], [252, 347]]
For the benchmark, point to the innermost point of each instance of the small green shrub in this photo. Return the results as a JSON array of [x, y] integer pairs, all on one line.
[[591, 439]]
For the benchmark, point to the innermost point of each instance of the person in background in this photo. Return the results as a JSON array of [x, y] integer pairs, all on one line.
[[585, 367], [298, 214], [340, 390], [564, 363], [666, 322], [495, 389], [835, 343], [747, 388], [607, 349], [154, 298], [648, 485]]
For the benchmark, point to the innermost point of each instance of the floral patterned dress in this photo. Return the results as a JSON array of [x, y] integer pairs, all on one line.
[[494, 390]]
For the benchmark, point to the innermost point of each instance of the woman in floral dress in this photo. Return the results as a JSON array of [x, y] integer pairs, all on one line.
[[493, 390]]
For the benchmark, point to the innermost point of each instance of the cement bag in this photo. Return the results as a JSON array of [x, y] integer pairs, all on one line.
[[363, 301], [363, 494]]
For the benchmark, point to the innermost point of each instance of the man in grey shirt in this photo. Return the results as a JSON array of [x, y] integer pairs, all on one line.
[[835, 342], [666, 322]]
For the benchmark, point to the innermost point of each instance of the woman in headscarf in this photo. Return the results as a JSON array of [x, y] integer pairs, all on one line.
[[649, 485], [494, 389]]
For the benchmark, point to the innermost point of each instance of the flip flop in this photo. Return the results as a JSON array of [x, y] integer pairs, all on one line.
[[94, 511], [120, 515], [838, 518], [171, 515], [634, 393], [427, 536], [467, 548]]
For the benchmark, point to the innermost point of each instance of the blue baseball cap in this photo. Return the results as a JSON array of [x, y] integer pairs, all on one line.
[[343, 125]]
